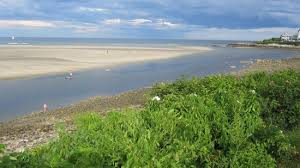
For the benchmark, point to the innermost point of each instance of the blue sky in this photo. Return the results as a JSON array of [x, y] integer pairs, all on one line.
[[179, 19]]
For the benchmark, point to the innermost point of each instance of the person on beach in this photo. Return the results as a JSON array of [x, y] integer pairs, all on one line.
[[45, 107], [70, 76]]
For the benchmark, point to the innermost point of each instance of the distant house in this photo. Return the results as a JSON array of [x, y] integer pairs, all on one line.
[[285, 37], [291, 38]]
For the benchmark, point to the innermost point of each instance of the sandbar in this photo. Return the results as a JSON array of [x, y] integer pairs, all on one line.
[[23, 61]]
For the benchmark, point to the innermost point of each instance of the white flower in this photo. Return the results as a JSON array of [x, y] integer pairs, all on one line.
[[252, 91], [156, 98], [194, 94], [280, 131]]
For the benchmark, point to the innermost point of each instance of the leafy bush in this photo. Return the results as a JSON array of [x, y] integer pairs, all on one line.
[[276, 143], [280, 96], [216, 121], [279, 93]]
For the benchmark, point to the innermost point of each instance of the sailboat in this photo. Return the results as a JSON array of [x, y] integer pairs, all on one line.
[[12, 37]]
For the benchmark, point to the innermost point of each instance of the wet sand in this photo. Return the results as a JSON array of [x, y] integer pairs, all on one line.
[[28, 61]]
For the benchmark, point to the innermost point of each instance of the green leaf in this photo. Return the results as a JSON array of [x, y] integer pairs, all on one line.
[[12, 158]]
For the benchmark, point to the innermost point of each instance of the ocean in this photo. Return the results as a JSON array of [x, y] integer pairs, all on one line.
[[107, 41]]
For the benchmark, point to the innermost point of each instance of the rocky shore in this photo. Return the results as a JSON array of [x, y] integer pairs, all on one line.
[[39, 128], [271, 65], [255, 45]]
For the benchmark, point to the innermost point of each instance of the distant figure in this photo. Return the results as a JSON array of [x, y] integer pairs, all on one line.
[[70, 76], [106, 51], [45, 108]]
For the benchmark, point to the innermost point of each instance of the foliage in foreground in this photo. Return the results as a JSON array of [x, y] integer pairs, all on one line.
[[216, 121]]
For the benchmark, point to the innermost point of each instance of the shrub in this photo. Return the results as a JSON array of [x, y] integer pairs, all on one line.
[[275, 142], [280, 97]]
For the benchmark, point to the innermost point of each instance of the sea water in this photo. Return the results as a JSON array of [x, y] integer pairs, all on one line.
[[108, 41]]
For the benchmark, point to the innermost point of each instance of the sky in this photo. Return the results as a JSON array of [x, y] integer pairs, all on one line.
[[154, 19]]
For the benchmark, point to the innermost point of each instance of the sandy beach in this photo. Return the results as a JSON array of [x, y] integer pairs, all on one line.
[[28, 60]]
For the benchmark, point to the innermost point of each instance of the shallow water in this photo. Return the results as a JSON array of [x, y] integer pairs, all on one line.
[[18, 97]]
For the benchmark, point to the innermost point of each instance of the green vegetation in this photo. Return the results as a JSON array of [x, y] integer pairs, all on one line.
[[216, 121], [278, 41], [294, 137], [272, 40]]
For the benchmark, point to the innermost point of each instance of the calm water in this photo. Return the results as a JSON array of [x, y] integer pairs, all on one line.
[[18, 97], [100, 41]]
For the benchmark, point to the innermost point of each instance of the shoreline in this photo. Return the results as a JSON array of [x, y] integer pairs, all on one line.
[[270, 65], [28, 61], [34, 129], [254, 45]]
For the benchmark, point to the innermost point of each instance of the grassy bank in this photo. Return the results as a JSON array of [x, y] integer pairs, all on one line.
[[278, 41], [216, 121]]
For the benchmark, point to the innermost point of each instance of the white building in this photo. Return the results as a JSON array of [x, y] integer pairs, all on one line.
[[292, 38], [285, 37]]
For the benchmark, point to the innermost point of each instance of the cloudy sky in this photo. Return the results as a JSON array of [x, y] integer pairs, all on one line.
[[168, 19]]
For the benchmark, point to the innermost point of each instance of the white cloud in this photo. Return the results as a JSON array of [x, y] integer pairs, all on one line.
[[118, 21], [164, 23], [85, 28], [79, 27], [87, 9], [139, 21], [158, 23], [112, 21], [82, 29], [236, 34], [26, 23]]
